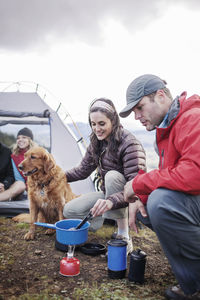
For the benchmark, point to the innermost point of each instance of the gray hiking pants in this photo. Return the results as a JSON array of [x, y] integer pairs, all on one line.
[[79, 207], [175, 218]]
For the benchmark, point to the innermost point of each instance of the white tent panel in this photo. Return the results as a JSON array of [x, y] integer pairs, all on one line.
[[29, 108]]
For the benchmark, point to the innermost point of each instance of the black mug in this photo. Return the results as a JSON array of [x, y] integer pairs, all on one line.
[[137, 266]]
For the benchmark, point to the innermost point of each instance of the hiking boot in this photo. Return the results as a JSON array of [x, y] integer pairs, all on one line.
[[129, 243], [176, 293]]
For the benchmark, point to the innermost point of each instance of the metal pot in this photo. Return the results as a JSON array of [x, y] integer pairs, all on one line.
[[65, 234]]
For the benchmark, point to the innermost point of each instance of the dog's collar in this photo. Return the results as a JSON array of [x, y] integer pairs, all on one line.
[[42, 185]]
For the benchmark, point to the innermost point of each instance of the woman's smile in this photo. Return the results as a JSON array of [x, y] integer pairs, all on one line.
[[101, 125]]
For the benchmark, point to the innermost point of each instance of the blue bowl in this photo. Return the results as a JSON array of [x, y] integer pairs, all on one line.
[[67, 236]]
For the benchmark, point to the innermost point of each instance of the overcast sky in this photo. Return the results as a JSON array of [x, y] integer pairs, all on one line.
[[84, 49]]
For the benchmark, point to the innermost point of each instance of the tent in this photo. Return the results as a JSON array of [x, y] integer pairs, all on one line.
[[27, 109]]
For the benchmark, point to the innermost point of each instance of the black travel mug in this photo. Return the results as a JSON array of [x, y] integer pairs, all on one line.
[[137, 266]]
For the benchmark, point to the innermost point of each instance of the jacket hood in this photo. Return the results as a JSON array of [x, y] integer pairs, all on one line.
[[181, 104]]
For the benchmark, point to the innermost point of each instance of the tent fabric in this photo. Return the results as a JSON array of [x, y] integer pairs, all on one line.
[[30, 108], [21, 114], [12, 208]]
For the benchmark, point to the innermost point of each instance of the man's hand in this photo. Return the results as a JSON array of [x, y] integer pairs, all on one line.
[[2, 189], [101, 206], [134, 208], [129, 195]]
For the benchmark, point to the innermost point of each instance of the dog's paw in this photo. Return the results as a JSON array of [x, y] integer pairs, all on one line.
[[50, 231], [16, 219], [22, 218], [29, 236]]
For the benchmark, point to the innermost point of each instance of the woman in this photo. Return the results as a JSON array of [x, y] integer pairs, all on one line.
[[118, 156], [23, 143]]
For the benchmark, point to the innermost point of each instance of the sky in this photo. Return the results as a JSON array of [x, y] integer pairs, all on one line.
[[79, 50]]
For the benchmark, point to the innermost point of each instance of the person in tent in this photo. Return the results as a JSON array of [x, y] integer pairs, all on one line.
[[6, 172], [12, 181], [118, 156]]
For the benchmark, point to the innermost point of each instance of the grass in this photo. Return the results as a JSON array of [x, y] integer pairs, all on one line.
[[113, 291], [22, 226]]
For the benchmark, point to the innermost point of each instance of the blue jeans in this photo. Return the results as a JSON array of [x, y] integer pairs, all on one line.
[[79, 207], [175, 218]]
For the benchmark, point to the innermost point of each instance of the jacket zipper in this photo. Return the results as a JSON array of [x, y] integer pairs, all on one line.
[[100, 156], [162, 159]]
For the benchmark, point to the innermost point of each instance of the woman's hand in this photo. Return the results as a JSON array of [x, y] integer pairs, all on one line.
[[134, 208], [101, 206]]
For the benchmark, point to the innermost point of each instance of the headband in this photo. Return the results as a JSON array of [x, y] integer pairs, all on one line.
[[102, 104]]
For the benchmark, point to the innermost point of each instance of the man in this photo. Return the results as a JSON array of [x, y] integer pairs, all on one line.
[[169, 197]]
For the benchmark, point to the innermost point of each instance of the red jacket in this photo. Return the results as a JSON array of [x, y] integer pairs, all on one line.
[[18, 159], [179, 152]]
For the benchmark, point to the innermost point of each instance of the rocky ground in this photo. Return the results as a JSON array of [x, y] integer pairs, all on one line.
[[30, 269]]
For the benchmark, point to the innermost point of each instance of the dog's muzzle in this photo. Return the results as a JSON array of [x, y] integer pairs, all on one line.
[[29, 172]]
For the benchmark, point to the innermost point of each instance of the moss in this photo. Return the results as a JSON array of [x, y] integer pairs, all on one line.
[[22, 226]]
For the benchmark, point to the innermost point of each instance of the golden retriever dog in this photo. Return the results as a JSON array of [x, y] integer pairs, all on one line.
[[48, 190]]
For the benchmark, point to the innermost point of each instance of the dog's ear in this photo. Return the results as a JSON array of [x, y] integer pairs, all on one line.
[[49, 162]]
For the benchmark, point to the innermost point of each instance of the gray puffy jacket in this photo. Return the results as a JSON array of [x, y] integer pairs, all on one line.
[[129, 159]]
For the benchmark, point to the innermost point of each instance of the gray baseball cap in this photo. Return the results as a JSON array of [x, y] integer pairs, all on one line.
[[141, 86]]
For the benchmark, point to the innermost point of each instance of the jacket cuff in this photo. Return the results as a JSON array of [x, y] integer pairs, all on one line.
[[117, 204], [6, 184]]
